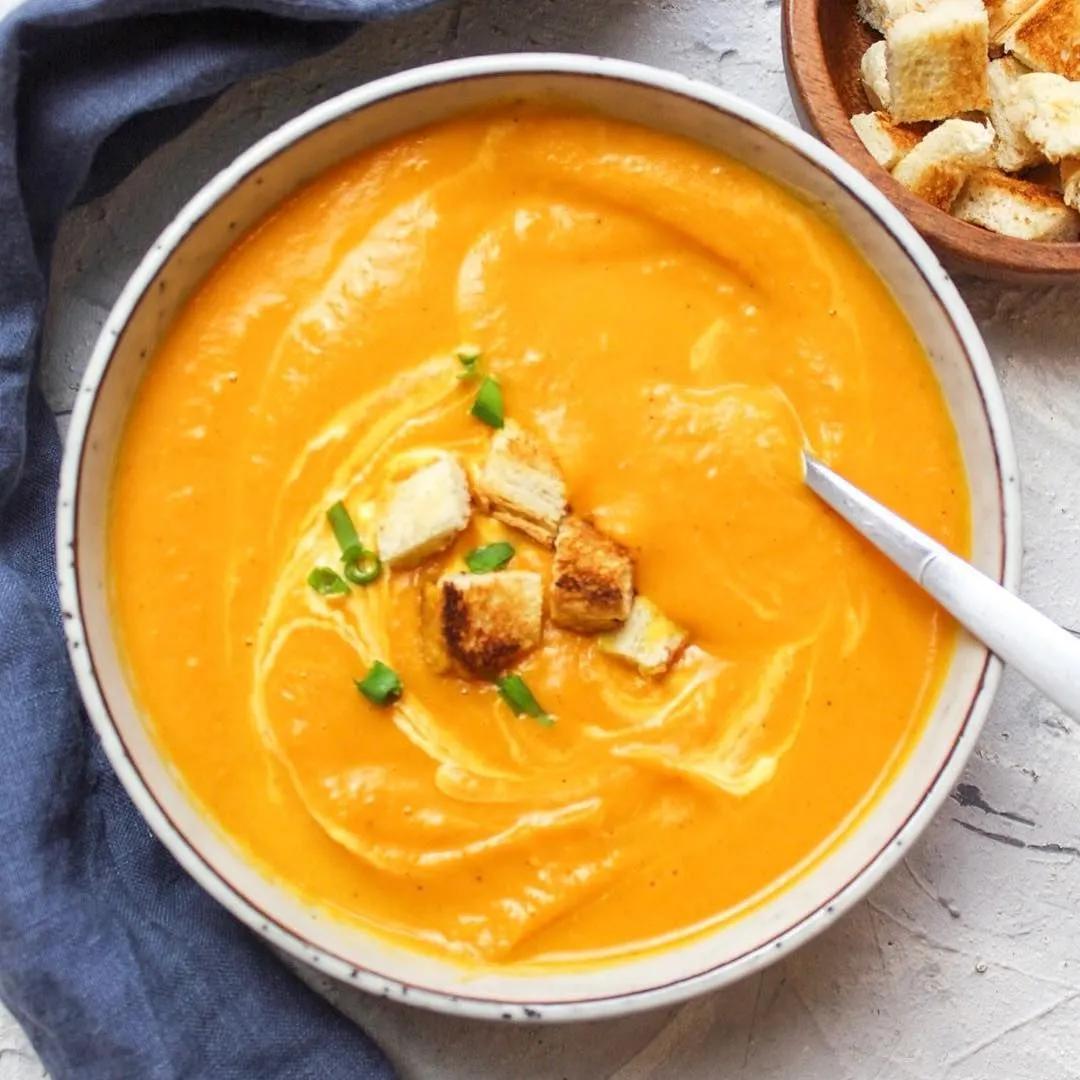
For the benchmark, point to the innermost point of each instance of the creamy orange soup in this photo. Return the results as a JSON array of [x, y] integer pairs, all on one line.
[[676, 327]]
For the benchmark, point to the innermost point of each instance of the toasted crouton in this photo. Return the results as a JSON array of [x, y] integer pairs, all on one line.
[[521, 484], [424, 513], [1002, 13], [875, 79], [1046, 37], [886, 141], [938, 167], [879, 13], [1070, 182], [490, 620], [936, 61], [1015, 207], [648, 639], [1050, 107], [592, 578], [1013, 150]]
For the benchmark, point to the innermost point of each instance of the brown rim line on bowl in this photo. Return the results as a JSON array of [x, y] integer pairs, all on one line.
[[257, 181], [823, 43]]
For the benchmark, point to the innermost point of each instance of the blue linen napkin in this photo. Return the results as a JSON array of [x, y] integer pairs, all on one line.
[[114, 961]]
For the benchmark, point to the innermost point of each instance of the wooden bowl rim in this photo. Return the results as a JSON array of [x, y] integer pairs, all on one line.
[[813, 88]]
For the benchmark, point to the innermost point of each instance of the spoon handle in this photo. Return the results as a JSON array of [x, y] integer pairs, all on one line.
[[1047, 655]]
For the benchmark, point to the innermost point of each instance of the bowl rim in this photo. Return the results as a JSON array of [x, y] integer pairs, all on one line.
[[291, 940], [976, 250]]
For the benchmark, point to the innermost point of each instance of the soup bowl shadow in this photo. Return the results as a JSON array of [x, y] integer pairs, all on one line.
[[234, 201]]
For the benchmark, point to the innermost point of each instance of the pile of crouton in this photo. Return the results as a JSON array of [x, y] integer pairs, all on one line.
[[480, 623], [976, 109]]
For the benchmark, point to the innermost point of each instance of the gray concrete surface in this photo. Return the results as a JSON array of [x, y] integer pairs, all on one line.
[[965, 963]]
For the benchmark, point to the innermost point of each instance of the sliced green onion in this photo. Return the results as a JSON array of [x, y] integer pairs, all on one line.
[[483, 560], [365, 568], [362, 567], [381, 685], [469, 360], [488, 405], [345, 532], [327, 582], [519, 697]]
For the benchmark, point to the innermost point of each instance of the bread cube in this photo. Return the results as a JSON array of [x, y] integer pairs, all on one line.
[[1013, 150], [490, 620], [592, 578], [1017, 208], [880, 13], [886, 141], [936, 61], [937, 169], [1046, 37], [520, 483], [1050, 109], [648, 639], [874, 71], [1070, 182], [424, 513]]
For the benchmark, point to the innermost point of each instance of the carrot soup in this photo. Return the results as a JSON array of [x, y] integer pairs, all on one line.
[[461, 559]]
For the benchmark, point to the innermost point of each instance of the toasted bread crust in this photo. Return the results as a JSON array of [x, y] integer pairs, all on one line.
[[491, 620], [1013, 207], [938, 167], [936, 61], [540, 531], [1046, 37], [1002, 14], [592, 585], [648, 639], [888, 143], [1035, 194], [520, 483], [939, 185]]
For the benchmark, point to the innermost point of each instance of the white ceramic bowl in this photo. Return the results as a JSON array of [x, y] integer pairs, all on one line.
[[235, 200]]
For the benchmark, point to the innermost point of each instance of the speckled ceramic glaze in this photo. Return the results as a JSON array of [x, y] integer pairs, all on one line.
[[236, 199]]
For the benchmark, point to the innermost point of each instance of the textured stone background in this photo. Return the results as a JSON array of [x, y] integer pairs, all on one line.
[[965, 963]]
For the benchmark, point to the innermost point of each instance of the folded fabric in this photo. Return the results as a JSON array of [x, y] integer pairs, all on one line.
[[114, 961]]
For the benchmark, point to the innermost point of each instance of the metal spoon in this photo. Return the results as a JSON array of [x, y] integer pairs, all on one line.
[[1047, 655]]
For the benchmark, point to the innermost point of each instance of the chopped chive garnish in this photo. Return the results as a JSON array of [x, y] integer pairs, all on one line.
[[345, 532], [469, 360], [488, 405], [483, 560], [364, 569], [381, 685], [519, 697], [327, 582]]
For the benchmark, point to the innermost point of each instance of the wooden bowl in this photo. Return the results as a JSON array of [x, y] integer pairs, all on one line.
[[823, 43]]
